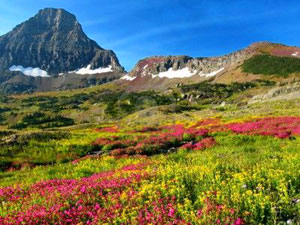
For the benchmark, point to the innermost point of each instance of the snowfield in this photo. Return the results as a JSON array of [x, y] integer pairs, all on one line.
[[127, 77], [175, 73], [88, 70], [183, 73], [29, 71]]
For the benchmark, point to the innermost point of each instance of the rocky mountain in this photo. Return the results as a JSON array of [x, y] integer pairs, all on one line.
[[53, 43], [162, 72]]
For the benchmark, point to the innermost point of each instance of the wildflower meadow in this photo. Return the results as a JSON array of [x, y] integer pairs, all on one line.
[[209, 172]]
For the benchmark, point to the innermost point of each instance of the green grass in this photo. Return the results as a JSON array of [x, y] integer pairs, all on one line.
[[69, 170], [44, 148]]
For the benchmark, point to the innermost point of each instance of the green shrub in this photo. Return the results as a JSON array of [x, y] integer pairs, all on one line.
[[271, 65], [207, 93], [41, 120]]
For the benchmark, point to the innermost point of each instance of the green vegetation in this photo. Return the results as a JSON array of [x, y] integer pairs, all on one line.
[[48, 110], [42, 111], [208, 93], [271, 65], [41, 148], [120, 104], [200, 173], [41, 120]]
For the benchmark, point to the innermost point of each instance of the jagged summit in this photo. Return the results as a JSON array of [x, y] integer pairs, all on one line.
[[53, 41]]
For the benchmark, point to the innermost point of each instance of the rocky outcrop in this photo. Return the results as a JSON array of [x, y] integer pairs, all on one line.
[[164, 72], [53, 41], [290, 91], [205, 67]]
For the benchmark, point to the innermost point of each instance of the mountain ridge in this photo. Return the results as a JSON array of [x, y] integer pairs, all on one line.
[[163, 72]]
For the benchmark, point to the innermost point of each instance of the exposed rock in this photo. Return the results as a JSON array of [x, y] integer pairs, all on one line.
[[278, 93], [53, 41], [197, 66], [39, 54], [163, 72]]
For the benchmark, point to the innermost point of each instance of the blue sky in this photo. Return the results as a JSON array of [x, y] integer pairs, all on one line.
[[135, 29]]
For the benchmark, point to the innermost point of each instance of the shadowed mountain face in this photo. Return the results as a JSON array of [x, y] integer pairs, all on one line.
[[49, 44], [53, 41]]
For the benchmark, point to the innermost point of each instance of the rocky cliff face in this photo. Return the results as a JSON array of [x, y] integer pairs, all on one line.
[[163, 72], [54, 42], [185, 66]]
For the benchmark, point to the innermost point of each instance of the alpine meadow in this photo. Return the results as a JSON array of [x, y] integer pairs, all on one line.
[[177, 139]]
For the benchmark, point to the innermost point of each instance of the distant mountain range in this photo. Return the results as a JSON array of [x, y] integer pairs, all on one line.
[[50, 51]]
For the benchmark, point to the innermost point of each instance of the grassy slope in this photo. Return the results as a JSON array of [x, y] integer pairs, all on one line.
[[33, 146], [108, 103]]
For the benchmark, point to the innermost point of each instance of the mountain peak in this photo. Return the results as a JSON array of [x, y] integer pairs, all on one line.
[[53, 10], [53, 41], [53, 15]]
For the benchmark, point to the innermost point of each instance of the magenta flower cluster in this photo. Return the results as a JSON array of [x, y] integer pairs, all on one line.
[[203, 144], [280, 127], [86, 201], [160, 140]]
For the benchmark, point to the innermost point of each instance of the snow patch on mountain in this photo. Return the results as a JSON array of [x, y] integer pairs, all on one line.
[[29, 71], [88, 70], [183, 73], [127, 77]]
